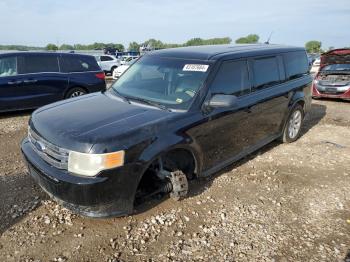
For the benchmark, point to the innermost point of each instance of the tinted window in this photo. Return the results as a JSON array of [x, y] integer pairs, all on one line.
[[296, 64], [38, 64], [232, 79], [106, 58], [266, 72], [75, 63], [8, 66]]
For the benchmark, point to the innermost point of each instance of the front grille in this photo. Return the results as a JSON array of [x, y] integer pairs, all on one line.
[[54, 155]]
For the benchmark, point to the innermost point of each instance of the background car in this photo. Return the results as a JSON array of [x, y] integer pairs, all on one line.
[[107, 63], [333, 78], [128, 58], [121, 69], [315, 66], [32, 79]]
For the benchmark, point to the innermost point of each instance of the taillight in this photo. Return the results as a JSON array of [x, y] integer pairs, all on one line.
[[100, 76]]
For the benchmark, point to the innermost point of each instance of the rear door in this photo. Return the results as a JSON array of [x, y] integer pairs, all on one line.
[[269, 98], [41, 80], [9, 83]]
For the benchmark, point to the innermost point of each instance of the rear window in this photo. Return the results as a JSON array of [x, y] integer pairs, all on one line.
[[266, 72], [74, 63], [232, 79], [296, 64], [38, 64]]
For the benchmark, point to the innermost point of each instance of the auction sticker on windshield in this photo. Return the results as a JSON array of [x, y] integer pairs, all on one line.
[[196, 68]]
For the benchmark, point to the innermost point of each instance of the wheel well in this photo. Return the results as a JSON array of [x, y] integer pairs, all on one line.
[[69, 89], [301, 102], [181, 159], [176, 159]]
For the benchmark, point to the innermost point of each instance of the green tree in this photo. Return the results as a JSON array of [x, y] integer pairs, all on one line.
[[194, 42], [66, 47], [119, 47], [155, 44], [133, 46], [249, 39], [51, 47], [313, 46]]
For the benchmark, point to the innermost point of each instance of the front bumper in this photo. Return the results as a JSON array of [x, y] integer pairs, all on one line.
[[111, 193], [331, 92]]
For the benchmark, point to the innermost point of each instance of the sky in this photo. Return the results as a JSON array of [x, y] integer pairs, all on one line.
[[293, 22]]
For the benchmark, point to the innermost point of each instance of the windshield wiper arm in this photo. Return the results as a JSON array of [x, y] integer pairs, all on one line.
[[125, 99], [148, 102]]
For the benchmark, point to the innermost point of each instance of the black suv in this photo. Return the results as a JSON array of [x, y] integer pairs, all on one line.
[[175, 115], [33, 79]]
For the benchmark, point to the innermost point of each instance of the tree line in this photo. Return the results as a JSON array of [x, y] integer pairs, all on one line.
[[312, 46]]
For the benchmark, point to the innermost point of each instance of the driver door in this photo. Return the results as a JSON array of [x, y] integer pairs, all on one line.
[[227, 130]]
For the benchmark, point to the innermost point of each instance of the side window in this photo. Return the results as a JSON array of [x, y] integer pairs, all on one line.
[[296, 64], [106, 58], [38, 64], [232, 79], [78, 64], [266, 72], [8, 66]]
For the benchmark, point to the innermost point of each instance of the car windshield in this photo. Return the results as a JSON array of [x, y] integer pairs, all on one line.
[[170, 82], [337, 67]]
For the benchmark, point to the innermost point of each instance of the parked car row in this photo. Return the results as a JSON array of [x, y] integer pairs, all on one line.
[[109, 63], [173, 116]]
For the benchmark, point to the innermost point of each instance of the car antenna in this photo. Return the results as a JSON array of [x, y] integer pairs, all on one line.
[[268, 39]]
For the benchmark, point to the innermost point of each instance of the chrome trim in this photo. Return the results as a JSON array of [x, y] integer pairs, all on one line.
[[50, 153]]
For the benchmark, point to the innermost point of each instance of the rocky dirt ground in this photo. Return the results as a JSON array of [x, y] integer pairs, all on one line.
[[287, 202]]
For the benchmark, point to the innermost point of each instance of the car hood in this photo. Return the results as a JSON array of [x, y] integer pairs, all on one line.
[[100, 118], [336, 56]]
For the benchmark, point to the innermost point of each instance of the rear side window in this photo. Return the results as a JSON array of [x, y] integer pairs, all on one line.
[[8, 66], [296, 64], [266, 72], [38, 64], [75, 63], [232, 79]]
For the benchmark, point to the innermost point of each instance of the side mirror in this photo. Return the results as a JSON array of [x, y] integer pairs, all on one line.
[[218, 101]]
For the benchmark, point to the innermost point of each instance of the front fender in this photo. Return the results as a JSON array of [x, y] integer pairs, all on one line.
[[171, 142]]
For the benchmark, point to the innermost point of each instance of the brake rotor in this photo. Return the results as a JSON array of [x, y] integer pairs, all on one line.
[[179, 185]]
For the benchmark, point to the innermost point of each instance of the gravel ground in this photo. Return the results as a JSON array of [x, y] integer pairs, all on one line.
[[287, 202]]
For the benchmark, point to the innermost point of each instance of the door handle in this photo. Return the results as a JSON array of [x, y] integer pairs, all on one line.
[[30, 81], [14, 82]]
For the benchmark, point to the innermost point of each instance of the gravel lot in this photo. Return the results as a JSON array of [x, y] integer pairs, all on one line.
[[287, 202]]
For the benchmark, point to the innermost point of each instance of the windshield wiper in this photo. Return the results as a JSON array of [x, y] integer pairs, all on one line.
[[125, 99], [148, 102]]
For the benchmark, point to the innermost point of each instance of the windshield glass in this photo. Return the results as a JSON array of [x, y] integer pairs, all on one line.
[[337, 67], [171, 82]]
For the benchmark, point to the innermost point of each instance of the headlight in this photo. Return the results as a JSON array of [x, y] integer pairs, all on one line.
[[91, 164]]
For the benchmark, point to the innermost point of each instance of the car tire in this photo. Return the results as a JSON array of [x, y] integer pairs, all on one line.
[[76, 91], [293, 126]]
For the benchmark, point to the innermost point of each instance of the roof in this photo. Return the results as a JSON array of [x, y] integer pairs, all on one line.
[[214, 52], [40, 52]]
